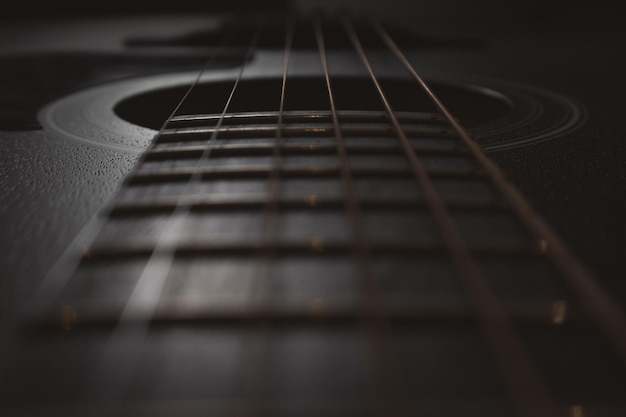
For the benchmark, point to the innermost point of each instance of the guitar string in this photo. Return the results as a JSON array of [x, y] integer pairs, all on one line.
[[528, 392], [273, 185], [375, 325], [598, 303], [60, 274], [115, 365], [257, 371]]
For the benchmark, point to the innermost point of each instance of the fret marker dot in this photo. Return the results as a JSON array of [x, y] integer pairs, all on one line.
[[317, 307], [312, 200], [577, 411], [68, 318], [317, 245], [559, 312]]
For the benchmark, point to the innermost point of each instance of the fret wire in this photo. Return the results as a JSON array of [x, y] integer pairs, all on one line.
[[529, 393], [445, 311], [600, 306], [128, 334], [300, 115], [253, 172], [189, 152], [253, 203], [141, 249], [375, 325]]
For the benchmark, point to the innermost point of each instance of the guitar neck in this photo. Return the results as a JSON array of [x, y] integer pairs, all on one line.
[[293, 259]]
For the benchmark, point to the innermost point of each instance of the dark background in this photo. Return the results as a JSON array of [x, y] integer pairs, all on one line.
[[457, 17], [461, 11]]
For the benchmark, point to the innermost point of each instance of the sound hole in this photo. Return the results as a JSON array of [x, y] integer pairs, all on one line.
[[473, 107]]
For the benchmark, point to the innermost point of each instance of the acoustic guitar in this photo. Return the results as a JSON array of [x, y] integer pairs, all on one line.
[[270, 214]]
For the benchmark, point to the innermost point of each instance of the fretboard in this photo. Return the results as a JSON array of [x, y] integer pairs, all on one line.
[[227, 217]]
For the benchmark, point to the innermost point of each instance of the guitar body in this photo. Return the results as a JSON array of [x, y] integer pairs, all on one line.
[[84, 99]]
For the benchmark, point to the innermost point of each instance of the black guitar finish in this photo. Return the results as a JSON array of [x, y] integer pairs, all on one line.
[[52, 184]]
